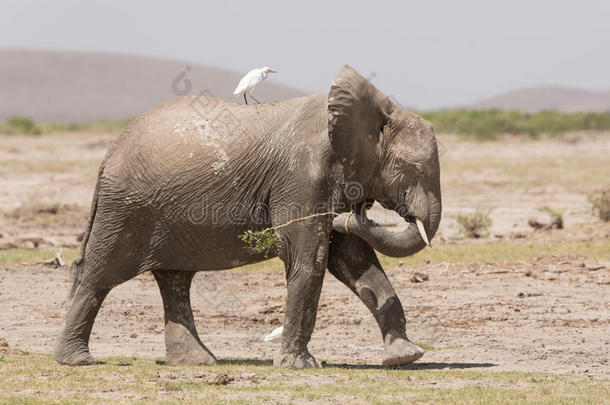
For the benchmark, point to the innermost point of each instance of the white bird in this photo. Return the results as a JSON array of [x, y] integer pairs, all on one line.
[[275, 335], [251, 80]]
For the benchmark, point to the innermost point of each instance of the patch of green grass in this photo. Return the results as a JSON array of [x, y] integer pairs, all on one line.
[[551, 394], [600, 201], [490, 124], [96, 127], [19, 125], [476, 224], [477, 124], [499, 252], [581, 174], [26, 126], [489, 252], [38, 379], [16, 256]]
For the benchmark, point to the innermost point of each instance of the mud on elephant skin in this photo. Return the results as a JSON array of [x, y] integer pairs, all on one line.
[[177, 188]]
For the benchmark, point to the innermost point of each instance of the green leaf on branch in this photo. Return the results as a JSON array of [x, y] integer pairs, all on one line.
[[260, 241], [264, 241]]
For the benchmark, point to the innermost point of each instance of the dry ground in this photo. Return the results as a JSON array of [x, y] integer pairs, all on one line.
[[516, 302]]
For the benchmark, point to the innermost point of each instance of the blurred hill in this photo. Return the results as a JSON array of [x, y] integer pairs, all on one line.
[[80, 86], [548, 98]]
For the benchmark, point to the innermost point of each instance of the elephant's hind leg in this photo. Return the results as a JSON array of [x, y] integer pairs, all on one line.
[[182, 343], [72, 344]]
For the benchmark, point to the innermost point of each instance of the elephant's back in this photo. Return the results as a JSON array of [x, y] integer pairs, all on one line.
[[198, 143], [192, 133], [183, 138]]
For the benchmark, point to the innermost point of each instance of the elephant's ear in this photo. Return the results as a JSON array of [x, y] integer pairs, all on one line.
[[357, 113]]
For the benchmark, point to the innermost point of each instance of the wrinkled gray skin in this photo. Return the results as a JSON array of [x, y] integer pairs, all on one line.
[[175, 190]]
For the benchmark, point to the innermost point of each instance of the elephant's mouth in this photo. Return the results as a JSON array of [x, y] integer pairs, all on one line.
[[415, 221], [422, 223], [409, 217]]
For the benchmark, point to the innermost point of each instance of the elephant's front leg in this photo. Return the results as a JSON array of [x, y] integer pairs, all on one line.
[[305, 253], [355, 264]]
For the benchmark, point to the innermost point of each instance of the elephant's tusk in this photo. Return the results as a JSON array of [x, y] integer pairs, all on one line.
[[422, 230]]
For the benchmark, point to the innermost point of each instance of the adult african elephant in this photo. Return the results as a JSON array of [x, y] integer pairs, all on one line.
[[184, 180]]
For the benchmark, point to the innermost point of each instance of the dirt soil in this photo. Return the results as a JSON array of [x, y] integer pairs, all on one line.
[[549, 314]]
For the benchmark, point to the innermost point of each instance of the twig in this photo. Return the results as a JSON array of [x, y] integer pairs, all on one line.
[[57, 261], [263, 241], [275, 228]]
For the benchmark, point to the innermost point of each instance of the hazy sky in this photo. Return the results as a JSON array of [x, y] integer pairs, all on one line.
[[428, 54]]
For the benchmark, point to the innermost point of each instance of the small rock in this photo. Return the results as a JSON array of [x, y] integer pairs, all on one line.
[[133, 335], [603, 281], [419, 277], [547, 219], [222, 379], [3, 346], [251, 377], [527, 295]]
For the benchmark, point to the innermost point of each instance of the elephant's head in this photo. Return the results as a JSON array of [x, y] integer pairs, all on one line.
[[391, 154]]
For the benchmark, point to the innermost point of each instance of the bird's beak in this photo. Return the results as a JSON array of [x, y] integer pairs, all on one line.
[[272, 71]]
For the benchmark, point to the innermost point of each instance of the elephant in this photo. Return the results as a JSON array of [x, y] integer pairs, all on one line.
[[183, 181]]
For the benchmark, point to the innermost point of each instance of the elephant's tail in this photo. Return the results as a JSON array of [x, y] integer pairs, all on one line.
[[78, 266]]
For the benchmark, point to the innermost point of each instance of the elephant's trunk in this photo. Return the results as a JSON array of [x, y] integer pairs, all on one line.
[[395, 244]]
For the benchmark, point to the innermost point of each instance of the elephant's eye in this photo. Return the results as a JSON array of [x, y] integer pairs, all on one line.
[[419, 168]]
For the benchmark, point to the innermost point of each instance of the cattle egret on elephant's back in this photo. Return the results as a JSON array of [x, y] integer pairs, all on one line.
[[251, 80]]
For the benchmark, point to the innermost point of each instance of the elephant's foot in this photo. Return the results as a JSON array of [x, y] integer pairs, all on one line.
[[400, 351], [189, 355], [72, 353], [296, 360], [183, 347], [72, 342]]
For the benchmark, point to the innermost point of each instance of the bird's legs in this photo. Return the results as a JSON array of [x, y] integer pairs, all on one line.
[[245, 99], [252, 96]]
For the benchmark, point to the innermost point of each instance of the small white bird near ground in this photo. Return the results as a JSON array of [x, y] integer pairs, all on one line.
[[251, 80], [275, 335]]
